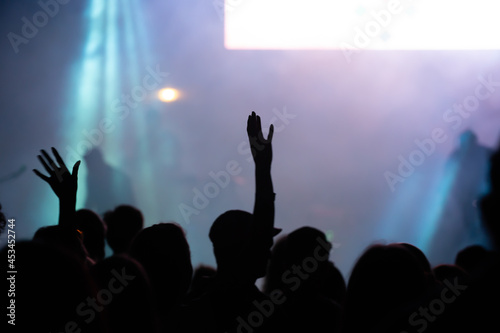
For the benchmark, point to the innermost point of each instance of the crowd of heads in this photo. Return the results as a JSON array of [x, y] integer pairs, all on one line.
[[66, 283]]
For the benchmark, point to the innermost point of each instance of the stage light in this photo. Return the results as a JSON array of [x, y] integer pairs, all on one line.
[[168, 95], [109, 76]]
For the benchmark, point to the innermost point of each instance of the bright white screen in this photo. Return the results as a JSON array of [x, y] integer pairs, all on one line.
[[362, 24]]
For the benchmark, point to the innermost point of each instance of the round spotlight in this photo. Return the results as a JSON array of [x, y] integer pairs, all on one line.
[[168, 95]]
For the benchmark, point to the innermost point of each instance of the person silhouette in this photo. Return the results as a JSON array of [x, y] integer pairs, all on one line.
[[122, 225], [314, 288], [464, 182], [162, 249], [93, 233], [131, 308], [106, 186], [242, 247], [386, 285], [64, 184]]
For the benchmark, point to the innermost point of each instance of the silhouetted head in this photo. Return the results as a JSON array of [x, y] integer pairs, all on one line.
[[93, 229], [123, 224], [422, 259], [94, 158], [163, 251], [308, 248], [471, 257], [236, 248], [304, 242], [129, 297], [64, 238], [450, 273], [468, 137], [384, 280]]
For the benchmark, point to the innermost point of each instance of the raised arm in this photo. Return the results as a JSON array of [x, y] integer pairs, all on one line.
[[264, 194], [63, 183]]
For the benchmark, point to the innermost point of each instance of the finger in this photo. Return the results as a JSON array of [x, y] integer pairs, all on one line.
[[271, 133], [251, 124], [39, 174], [59, 160], [49, 170], [49, 159], [259, 127], [75, 169]]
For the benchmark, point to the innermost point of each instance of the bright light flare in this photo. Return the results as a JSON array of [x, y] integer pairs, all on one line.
[[168, 95]]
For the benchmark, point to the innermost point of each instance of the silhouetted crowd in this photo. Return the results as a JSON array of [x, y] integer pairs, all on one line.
[[65, 283]]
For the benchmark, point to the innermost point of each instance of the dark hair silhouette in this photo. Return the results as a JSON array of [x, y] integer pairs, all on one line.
[[420, 256], [131, 307], [122, 225], [93, 230], [385, 285], [163, 251], [302, 246], [313, 286], [471, 258], [446, 272], [68, 240], [234, 246]]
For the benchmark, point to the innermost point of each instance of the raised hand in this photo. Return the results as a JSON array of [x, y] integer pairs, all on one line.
[[263, 212], [63, 183], [261, 148]]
